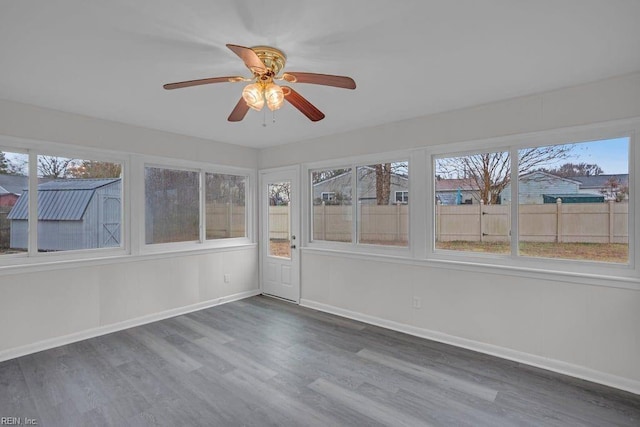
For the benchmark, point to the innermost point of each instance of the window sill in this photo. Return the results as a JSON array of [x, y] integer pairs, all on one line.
[[36, 264], [591, 279]]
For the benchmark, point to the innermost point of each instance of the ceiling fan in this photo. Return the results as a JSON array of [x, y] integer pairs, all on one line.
[[265, 63]]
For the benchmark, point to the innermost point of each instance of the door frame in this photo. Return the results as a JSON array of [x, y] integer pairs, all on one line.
[[295, 218]]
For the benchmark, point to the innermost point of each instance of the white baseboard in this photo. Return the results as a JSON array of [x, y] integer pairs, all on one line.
[[493, 350], [47, 344]]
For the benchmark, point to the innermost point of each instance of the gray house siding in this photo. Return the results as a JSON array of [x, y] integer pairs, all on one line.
[[341, 186], [532, 186], [72, 219]]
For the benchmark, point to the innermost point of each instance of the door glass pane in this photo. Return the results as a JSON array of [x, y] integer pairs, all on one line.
[[279, 219]]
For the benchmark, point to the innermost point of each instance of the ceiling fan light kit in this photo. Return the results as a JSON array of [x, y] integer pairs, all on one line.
[[266, 62]]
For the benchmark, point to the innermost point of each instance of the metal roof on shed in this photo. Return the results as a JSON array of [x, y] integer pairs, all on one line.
[[60, 200]]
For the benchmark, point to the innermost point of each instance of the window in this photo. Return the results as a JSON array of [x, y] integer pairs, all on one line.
[[469, 211], [380, 218], [332, 219], [225, 206], [572, 201], [401, 197], [14, 182], [79, 204], [328, 196], [172, 205]]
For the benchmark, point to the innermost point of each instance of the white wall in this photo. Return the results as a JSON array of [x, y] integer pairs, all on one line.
[[43, 306], [27, 121], [585, 329]]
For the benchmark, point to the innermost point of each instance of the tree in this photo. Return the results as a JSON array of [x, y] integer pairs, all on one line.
[[94, 169], [381, 175], [569, 170], [279, 194], [614, 190], [491, 172], [323, 175], [383, 183], [5, 167], [54, 167]]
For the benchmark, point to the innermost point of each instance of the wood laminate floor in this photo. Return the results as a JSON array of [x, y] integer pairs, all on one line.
[[263, 362]]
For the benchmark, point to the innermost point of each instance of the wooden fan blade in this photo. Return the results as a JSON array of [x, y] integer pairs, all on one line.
[[249, 58], [305, 107], [239, 111], [199, 82], [320, 79]]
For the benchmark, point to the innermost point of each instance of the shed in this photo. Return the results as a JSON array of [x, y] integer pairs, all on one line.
[[72, 214], [573, 198]]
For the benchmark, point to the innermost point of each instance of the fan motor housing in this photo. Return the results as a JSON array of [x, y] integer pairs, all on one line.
[[273, 58]]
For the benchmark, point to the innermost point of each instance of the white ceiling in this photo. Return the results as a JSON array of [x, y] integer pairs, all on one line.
[[409, 58]]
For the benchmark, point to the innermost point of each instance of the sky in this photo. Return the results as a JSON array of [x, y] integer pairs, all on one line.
[[612, 155]]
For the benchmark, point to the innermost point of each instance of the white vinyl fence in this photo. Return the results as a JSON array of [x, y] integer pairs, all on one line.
[[553, 222], [225, 220], [558, 222]]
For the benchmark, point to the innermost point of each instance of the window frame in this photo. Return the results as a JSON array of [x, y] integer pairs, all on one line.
[[353, 163], [404, 198], [512, 144], [331, 194], [202, 242], [39, 148], [132, 209]]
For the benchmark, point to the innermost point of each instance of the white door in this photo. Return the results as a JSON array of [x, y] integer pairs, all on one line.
[[280, 234]]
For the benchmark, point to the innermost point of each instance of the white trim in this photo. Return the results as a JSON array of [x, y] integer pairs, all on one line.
[[554, 365], [115, 327]]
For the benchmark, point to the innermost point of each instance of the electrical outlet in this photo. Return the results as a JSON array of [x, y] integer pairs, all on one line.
[[417, 302], [227, 278]]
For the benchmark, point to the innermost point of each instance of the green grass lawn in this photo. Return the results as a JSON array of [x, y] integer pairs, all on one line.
[[605, 252]]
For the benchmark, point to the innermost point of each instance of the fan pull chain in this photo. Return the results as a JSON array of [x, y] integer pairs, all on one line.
[[264, 119], [273, 116]]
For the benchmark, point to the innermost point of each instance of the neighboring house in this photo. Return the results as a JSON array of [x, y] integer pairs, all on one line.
[[447, 191], [602, 184], [72, 214], [339, 187], [534, 185], [11, 186]]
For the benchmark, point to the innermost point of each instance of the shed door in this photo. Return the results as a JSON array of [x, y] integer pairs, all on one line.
[[109, 227]]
